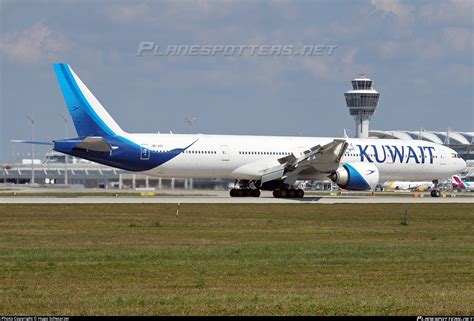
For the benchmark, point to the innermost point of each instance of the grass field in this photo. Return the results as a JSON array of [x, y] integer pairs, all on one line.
[[232, 259]]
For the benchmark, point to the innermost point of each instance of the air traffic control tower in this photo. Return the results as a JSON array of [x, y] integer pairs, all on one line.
[[362, 101]]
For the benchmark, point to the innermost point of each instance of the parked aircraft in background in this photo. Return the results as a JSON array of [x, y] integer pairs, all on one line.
[[458, 183], [408, 186]]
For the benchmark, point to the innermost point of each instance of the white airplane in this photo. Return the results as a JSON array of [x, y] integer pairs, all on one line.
[[459, 184], [256, 162], [408, 186]]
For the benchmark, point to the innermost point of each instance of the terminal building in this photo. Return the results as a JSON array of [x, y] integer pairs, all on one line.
[[58, 169]]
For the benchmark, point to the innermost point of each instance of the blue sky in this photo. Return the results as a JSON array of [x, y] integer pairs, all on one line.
[[419, 53]]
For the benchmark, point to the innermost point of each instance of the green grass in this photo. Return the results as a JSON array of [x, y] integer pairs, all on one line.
[[237, 259]]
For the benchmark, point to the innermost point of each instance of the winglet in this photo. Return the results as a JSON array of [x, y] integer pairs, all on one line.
[[345, 134]]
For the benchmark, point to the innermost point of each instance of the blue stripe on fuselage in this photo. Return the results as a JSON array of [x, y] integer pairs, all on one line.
[[125, 156]]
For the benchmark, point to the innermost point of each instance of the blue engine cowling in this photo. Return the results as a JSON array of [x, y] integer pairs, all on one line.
[[356, 176]]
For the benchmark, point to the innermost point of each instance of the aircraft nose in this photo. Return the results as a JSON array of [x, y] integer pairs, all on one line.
[[462, 164]]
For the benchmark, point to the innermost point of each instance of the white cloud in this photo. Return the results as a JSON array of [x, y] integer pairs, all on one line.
[[424, 49], [457, 12], [180, 15], [287, 9], [127, 13], [34, 44], [392, 6], [459, 38], [459, 73]]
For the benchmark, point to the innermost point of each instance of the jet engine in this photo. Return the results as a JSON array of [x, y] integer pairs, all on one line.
[[356, 176]]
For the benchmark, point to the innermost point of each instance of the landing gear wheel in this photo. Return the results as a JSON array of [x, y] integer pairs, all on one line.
[[299, 193], [435, 192], [244, 192], [288, 193], [292, 193]]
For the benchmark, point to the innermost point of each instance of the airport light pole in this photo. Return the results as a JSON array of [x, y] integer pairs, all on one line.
[[191, 120], [30, 118], [65, 155]]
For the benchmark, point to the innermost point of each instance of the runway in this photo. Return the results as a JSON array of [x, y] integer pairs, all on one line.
[[220, 197]]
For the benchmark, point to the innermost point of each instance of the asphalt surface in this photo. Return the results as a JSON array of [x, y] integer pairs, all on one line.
[[222, 197]]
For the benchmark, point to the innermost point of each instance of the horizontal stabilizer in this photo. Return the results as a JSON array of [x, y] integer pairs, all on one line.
[[96, 144], [31, 142]]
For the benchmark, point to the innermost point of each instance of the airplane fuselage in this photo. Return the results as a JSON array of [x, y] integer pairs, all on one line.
[[243, 157]]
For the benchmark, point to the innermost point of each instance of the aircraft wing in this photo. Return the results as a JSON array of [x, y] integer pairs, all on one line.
[[323, 159]]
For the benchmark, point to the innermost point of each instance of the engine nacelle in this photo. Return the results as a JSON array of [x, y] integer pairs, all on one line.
[[356, 176]]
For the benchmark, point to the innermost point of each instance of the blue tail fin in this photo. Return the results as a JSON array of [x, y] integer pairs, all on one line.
[[89, 116]]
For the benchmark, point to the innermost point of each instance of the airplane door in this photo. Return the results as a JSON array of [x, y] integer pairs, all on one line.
[[225, 153], [442, 156], [388, 155], [145, 153]]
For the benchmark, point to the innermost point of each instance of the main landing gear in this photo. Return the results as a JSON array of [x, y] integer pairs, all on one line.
[[288, 193], [244, 192], [435, 192], [246, 189]]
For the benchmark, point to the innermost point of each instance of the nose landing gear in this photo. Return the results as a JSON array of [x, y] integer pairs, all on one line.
[[435, 192]]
